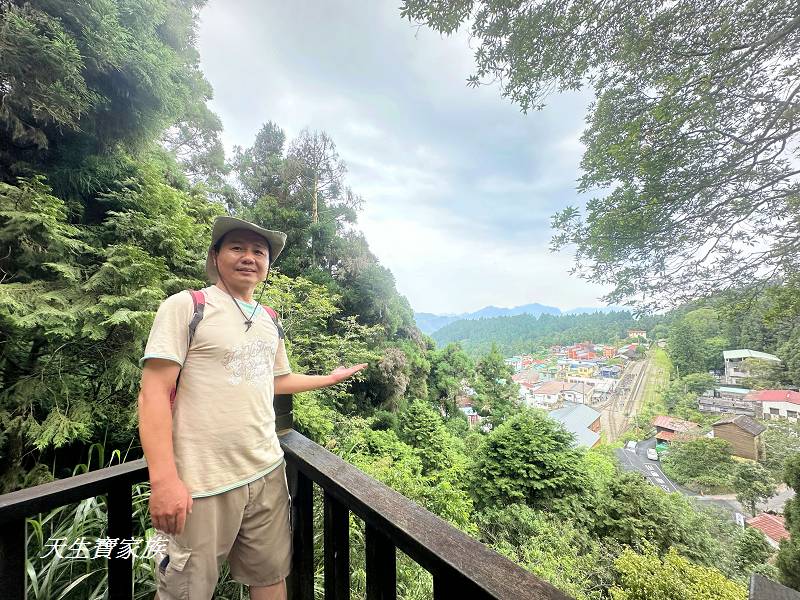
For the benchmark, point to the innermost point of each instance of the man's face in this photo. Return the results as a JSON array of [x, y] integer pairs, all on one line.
[[243, 258]]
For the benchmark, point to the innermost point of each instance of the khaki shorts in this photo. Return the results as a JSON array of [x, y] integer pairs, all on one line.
[[248, 525]]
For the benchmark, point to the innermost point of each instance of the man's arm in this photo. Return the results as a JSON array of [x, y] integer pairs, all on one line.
[[170, 501], [293, 383]]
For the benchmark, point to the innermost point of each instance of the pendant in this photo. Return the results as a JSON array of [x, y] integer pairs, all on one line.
[[247, 325]]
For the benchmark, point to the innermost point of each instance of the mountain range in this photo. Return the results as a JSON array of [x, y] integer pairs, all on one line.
[[430, 322]]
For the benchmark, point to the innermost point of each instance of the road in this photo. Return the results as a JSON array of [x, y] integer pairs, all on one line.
[[636, 460]]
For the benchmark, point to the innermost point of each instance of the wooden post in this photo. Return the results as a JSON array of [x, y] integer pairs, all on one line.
[[381, 566], [12, 559], [301, 581], [337, 550], [120, 526]]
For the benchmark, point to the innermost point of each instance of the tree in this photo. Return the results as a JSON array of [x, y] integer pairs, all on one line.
[[554, 548], [781, 441], [422, 428], [496, 390], [648, 577], [788, 559], [315, 174], [703, 463], [450, 367], [692, 129], [752, 484], [696, 342], [82, 80], [528, 459], [752, 550]]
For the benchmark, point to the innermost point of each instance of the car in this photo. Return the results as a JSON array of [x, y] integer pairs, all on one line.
[[652, 454], [631, 446]]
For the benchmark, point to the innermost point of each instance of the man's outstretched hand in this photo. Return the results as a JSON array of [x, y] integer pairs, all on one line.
[[341, 373]]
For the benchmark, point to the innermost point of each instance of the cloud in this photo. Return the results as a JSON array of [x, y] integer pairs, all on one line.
[[459, 186]]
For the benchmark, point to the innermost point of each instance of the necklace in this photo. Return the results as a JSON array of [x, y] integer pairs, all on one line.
[[248, 322]]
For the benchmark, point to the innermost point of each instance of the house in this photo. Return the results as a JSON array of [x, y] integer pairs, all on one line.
[[547, 394], [776, 404], [671, 428], [728, 399], [772, 526], [610, 371], [609, 351], [629, 351], [464, 404], [601, 389], [580, 420], [735, 369], [552, 392], [526, 377], [744, 435], [637, 333]]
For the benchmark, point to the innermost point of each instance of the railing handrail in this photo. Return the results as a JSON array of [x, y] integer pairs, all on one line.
[[47, 496], [427, 539]]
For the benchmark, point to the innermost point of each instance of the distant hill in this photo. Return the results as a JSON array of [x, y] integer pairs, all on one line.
[[430, 322], [527, 333]]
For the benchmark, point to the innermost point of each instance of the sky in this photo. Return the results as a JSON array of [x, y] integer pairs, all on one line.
[[459, 185]]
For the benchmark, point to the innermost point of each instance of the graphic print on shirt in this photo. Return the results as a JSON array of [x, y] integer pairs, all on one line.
[[249, 362]]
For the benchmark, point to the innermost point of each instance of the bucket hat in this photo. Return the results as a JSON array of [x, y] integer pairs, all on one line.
[[223, 225]]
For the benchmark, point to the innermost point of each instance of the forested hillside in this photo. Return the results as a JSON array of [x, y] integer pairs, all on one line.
[[111, 172], [526, 334]]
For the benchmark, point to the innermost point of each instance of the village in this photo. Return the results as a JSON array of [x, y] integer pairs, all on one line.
[[595, 390]]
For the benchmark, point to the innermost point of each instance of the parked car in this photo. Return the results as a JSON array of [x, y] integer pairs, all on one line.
[[631, 446], [652, 454]]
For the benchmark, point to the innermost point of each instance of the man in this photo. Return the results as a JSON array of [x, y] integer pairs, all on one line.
[[218, 485]]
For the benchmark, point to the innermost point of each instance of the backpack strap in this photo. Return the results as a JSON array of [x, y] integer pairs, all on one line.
[[274, 315], [199, 301]]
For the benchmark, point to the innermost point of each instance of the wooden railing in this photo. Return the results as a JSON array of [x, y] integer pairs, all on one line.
[[461, 566]]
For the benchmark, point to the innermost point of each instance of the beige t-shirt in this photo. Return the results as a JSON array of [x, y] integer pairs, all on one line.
[[223, 421]]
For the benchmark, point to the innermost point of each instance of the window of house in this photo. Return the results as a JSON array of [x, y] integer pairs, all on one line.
[[774, 411], [792, 414]]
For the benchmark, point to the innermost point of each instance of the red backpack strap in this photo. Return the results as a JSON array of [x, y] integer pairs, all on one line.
[[199, 301], [271, 312]]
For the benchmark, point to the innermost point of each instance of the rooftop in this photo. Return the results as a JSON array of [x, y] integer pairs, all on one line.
[[673, 423], [774, 396], [577, 418], [771, 526], [749, 424], [745, 353]]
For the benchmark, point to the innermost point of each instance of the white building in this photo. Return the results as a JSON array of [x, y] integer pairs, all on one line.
[[735, 369], [777, 404]]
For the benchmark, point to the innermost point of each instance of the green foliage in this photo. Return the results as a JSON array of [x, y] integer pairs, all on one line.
[[76, 306], [80, 79], [553, 548], [781, 442], [696, 342], [703, 464], [788, 559], [497, 392], [752, 550], [752, 484], [449, 368], [529, 459], [630, 511], [648, 577]]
